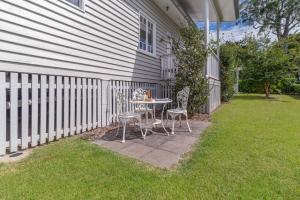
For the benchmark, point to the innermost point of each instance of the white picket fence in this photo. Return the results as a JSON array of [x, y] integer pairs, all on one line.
[[36, 109]]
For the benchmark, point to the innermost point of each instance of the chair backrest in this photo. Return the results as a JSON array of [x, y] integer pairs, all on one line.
[[183, 97], [121, 101], [138, 94]]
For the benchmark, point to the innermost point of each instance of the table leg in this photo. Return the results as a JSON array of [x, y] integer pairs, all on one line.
[[162, 119], [154, 118], [146, 114]]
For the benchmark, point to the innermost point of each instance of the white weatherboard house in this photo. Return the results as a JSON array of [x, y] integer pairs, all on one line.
[[62, 60]]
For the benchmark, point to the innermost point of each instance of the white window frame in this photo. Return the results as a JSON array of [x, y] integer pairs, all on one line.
[[148, 19], [81, 7]]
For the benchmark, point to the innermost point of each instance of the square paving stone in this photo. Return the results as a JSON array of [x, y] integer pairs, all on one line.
[[99, 142], [175, 147], [161, 158], [116, 145], [136, 150], [154, 140]]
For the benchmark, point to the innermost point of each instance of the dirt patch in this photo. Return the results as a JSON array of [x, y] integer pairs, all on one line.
[[15, 157], [201, 117], [96, 134]]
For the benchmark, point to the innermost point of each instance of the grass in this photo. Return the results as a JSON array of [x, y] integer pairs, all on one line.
[[252, 151]]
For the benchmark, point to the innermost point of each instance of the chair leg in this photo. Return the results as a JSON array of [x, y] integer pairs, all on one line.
[[140, 125], [187, 123], [180, 121], [173, 125], [167, 120], [124, 131], [118, 130]]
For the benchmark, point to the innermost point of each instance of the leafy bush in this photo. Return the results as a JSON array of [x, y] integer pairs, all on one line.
[[296, 89], [246, 86], [286, 86], [191, 55]]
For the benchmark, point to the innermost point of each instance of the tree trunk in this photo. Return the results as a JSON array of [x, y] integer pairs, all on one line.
[[267, 88]]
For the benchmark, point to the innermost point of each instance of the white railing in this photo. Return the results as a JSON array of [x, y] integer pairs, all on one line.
[[37, 109], [168, 67], [213, 67]]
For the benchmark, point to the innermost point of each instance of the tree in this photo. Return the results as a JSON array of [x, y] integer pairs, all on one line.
[[189, 49], [279, 16], [265, 63]]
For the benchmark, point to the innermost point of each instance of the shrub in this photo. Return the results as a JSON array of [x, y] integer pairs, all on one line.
[[191, 55], [296, 89], [286, 86]]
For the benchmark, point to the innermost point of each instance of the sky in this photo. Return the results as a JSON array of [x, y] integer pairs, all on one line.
[[233, 31]]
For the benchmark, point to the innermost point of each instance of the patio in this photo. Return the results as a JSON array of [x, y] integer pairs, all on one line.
[[157, 149]]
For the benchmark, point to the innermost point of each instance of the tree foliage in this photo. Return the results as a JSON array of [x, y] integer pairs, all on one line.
[[191, 54], [265, 64], [279, 16]]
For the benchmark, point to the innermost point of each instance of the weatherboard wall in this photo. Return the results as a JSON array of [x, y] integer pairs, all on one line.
[[52, 37]]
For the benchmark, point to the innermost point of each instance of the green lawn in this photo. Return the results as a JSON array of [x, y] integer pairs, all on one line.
[[252, 151]]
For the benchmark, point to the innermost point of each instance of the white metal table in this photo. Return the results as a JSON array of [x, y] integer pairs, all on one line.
[[154, 102]]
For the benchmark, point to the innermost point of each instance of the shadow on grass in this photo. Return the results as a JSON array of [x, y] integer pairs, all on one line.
[[263, 97], [254, 97], [297, 97], [257, 97]]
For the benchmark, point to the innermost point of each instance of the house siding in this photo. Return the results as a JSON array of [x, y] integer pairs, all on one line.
[[52, 37]]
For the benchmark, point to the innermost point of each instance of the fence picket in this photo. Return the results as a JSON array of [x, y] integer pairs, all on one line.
[[13, 112], [25, 111], [34, 110], [99, 102], [51, 97], [66, 106], [94, 103], [84, 87], [89, 104], [78, 106], [72, 106], [113, 101], [3, 111], [58, 107], [43, 109], [105, 97]]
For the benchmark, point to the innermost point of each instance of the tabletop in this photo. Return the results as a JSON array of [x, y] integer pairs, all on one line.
[[152, 101]]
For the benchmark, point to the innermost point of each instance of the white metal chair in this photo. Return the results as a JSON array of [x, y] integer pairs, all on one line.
[[126, 117], [138, 95], [182, 101]]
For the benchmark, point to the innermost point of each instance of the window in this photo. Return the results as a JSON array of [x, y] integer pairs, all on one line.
[[77, 3], [147, 35]]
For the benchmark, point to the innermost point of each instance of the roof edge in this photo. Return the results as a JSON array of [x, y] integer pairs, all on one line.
[[184, 13]]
